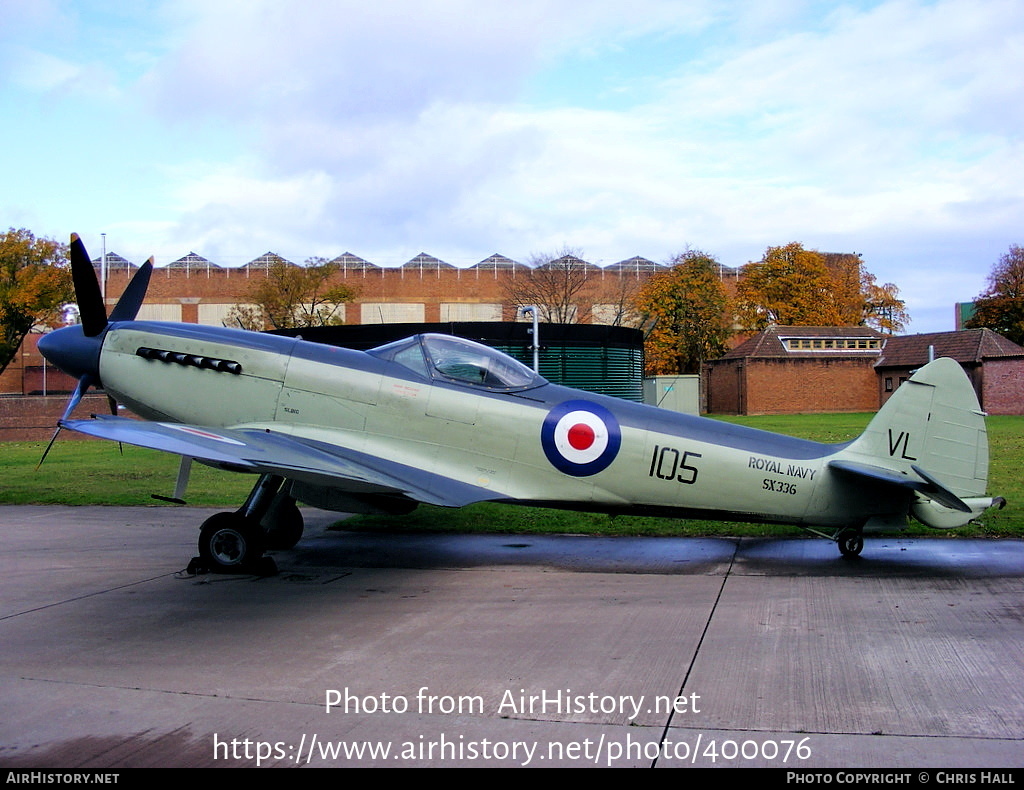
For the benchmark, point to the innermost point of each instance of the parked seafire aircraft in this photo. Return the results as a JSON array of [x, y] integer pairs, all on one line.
[[447, 421]]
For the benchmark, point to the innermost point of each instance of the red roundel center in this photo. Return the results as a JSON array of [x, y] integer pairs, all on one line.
[[581, 436]]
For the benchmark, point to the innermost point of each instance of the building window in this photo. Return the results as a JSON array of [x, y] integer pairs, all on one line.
[[888, 383], [832, 344]]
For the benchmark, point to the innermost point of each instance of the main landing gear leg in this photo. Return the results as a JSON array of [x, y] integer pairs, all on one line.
[[235, 542], [851, 542], [282, 523]]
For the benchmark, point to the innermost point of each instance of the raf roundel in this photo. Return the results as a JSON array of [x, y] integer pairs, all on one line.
[[580, 438]]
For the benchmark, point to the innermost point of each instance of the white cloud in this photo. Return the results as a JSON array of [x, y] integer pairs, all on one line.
[[42, 73], [891, 127], [344, 61], [224, 209]]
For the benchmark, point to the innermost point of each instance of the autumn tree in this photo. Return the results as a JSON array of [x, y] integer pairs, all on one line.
[[860, 300], [691, 315], [556, 284], [293, 296], [1001, 306], [883, 308], [35, 283], [792, 286]]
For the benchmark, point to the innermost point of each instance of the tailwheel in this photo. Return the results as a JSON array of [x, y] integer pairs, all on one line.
[[851, 542], [231, 543]]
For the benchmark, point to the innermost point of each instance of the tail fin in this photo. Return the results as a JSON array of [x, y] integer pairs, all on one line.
[[929, 437]]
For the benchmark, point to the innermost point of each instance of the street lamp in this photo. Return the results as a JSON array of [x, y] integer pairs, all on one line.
[[532, 310]]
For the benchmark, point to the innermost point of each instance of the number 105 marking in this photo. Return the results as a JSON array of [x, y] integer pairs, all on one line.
[[667, 461]]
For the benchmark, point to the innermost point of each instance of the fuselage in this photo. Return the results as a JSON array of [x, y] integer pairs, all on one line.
[[538, 443]]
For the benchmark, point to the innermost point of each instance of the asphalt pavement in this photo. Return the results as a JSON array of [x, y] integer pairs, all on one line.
[[503, 650]]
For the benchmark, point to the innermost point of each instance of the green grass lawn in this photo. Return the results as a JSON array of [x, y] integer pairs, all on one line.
[[96, 473], [93, 472]]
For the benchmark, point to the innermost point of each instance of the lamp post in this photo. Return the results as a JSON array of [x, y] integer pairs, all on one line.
[[532, 310]]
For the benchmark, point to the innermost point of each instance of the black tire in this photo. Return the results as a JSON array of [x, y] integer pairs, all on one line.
[[230, 543], [851, 543], [285, 526]]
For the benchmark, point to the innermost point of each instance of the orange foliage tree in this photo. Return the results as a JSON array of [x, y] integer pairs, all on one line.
[[860, 300], [690, 312], [792, 286], [1001, 306], [35, 283]]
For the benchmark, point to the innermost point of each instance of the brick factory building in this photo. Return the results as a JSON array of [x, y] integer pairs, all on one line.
[[423, 290]]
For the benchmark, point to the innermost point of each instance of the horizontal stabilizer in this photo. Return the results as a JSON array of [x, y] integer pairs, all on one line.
[[878, 473], [928, 484], [940, 493]]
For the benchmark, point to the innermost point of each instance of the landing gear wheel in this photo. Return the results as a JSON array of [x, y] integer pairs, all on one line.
[[285, 525], [230, 543], [851, 542]]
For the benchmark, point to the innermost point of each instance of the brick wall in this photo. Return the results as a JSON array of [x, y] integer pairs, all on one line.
[[792, 386], [723, 389], [11, 378], [430, 288], [25, 373], [998, 383], [34, 419], [787, 386], [1003, 386]]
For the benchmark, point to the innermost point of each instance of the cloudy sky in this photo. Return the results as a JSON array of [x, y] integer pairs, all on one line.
[[468, 127]]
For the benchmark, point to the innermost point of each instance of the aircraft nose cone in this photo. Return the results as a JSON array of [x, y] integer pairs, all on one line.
[[71, 351]]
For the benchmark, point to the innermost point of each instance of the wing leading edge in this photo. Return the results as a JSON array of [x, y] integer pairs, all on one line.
[[270, 452]]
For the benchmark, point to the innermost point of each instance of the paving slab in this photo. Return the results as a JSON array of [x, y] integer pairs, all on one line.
[[503, 650]]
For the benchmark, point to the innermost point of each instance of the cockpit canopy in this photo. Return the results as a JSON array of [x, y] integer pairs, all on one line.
[[454, 359]]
